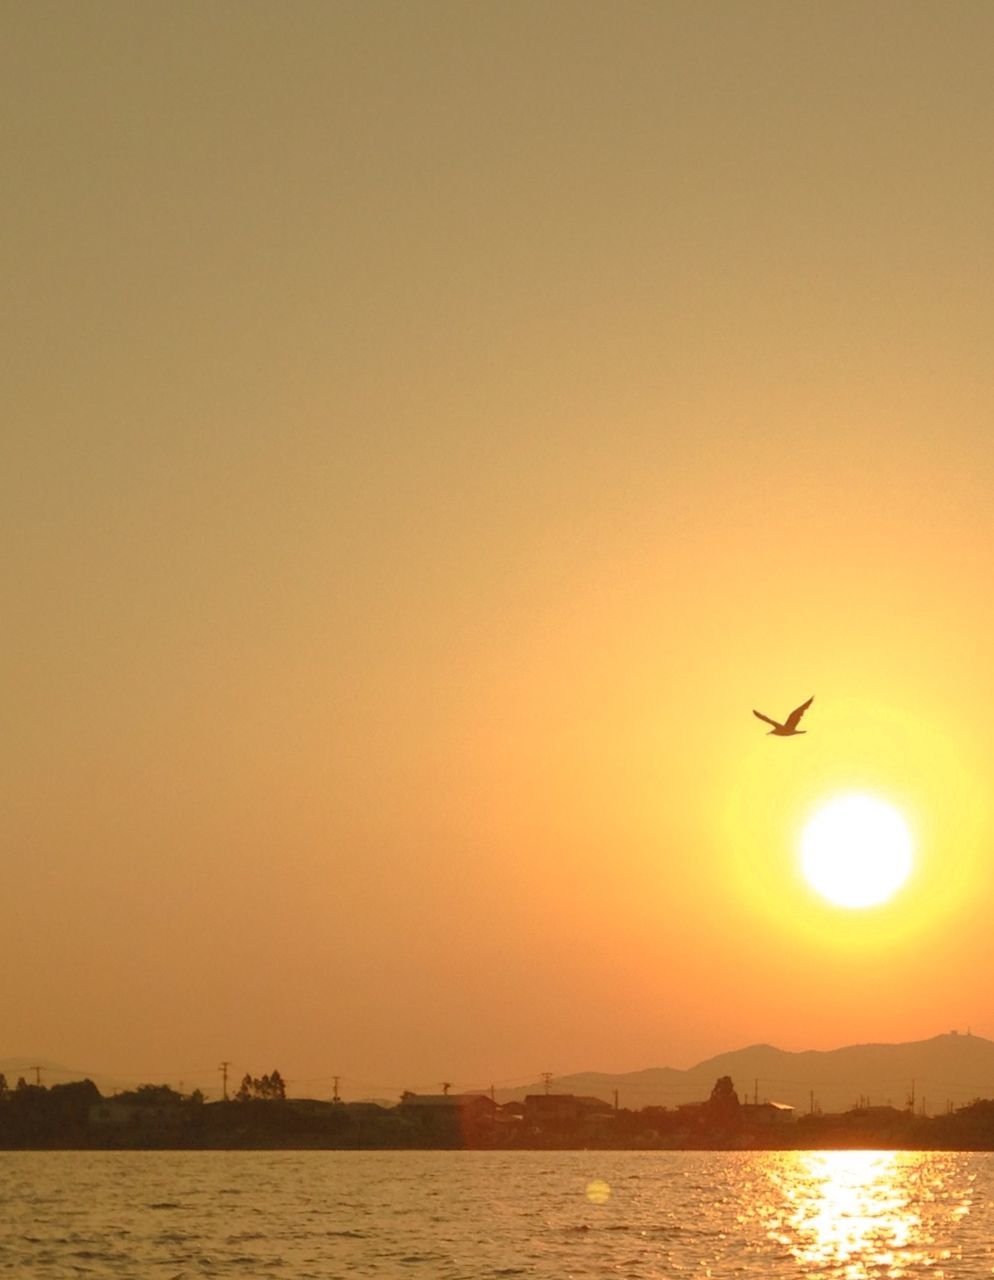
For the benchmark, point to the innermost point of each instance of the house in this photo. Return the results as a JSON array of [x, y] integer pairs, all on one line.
[[476, 1106], [458, 1117], [549, 1110], [111, 1114], [767, 1113], [311, 1106]]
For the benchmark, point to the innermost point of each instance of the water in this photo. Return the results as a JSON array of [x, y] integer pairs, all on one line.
[[462, 1215]]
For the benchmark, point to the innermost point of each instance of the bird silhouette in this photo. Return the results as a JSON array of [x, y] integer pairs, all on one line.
[[789, 727]]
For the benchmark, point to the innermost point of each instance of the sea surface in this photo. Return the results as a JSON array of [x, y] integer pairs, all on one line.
[[472, 1215]]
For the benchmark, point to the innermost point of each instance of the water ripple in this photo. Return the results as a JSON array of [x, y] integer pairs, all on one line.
[[853, 1215]]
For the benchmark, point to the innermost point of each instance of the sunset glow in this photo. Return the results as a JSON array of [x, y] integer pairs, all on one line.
[[497, 511], [435, 430]]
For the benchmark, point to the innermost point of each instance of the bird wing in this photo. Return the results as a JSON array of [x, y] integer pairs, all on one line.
[[794, 719], [759, 716]]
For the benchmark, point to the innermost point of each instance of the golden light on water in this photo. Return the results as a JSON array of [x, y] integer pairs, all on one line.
[[856, 851], [855, 1214]]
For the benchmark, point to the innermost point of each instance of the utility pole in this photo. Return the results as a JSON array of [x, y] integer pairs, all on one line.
[[755, 1092], [911, 1099], [616, 1099], [547, 1079], [334, 1096], [37, 1071], [811, 1102], [223, 1068]]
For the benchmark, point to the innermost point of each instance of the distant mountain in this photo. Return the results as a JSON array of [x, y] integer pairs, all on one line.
[[950, 1068]]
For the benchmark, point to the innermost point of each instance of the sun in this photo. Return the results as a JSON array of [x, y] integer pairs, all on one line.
[[856, 851]]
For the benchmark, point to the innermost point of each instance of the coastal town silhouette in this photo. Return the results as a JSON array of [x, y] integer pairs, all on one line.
[[259, 1113]]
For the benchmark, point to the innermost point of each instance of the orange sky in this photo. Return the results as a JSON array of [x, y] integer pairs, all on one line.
[[431, 430]]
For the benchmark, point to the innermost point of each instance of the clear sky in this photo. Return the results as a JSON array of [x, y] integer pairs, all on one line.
[[430, 430]]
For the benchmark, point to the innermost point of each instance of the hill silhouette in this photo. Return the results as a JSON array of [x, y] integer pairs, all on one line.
[[946, 1069], [952, 1068]]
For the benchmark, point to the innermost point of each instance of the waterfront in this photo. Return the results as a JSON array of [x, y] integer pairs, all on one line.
[[473, 1215]]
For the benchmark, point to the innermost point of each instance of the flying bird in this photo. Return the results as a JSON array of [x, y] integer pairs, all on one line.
[[789, 728]]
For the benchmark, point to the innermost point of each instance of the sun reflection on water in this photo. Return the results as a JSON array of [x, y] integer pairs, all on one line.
[[859, 1214]]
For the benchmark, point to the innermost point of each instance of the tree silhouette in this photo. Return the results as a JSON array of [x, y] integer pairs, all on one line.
[[269, 1088], [724, 1102]]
